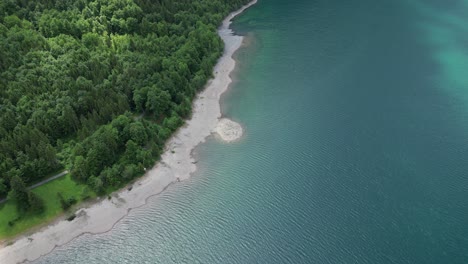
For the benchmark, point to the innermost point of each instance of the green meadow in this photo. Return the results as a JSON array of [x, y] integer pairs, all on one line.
[[12, 224]]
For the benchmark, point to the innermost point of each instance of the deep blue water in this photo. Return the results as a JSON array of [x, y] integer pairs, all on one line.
[[356, 146]]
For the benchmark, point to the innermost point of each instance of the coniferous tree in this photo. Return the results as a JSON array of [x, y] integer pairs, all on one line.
[[19, 193]]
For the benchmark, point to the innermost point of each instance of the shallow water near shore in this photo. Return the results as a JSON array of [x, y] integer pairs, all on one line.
[[355, 146]]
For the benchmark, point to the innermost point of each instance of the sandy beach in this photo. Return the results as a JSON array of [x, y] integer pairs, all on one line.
[[177, 164]]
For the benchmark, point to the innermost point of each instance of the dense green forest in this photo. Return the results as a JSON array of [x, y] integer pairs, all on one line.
[[98, 86]]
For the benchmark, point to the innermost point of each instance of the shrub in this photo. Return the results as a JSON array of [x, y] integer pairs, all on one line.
[[66, 203]]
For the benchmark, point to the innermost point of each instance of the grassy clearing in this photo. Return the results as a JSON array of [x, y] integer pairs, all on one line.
[[48, 192]]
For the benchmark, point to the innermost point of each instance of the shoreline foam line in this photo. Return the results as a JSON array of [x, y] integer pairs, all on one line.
[[177, 163]]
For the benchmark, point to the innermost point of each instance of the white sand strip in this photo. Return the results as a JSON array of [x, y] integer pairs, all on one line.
[[176, 164]]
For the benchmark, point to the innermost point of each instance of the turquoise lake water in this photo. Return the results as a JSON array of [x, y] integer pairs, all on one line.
[[355, 149]]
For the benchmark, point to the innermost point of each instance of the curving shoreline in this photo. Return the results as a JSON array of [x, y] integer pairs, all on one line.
[[176, 164]]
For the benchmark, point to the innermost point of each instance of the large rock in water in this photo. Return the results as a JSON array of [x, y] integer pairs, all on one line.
[[228, 130]]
